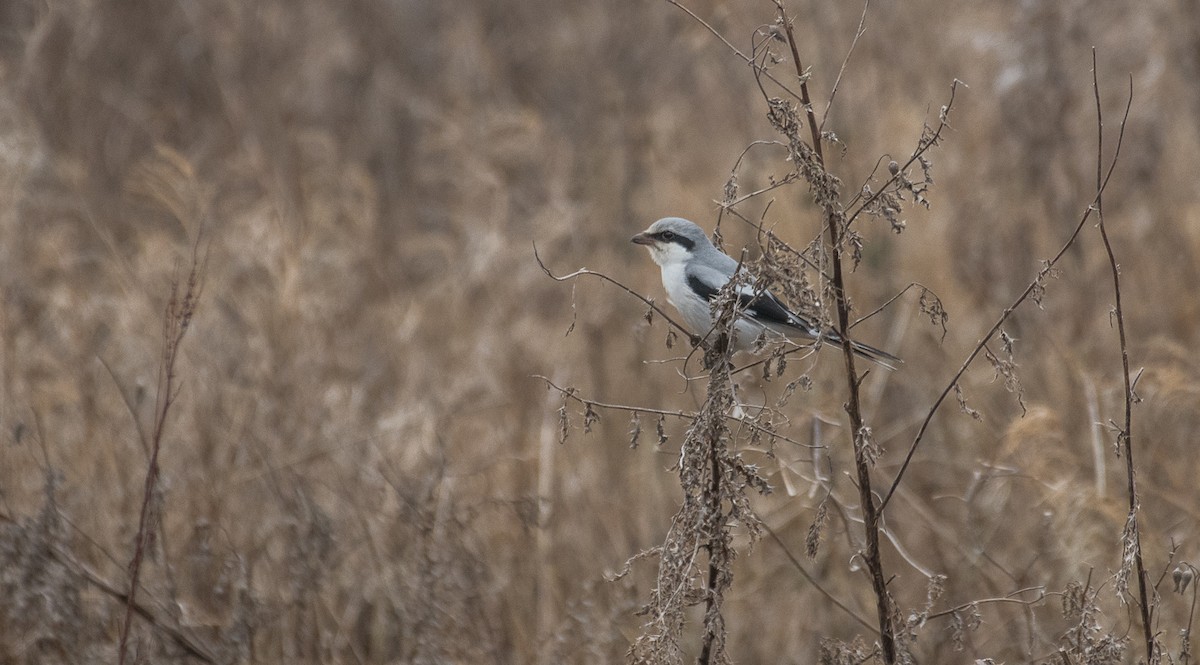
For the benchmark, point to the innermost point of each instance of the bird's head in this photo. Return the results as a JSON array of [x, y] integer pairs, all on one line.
[[672, 240]]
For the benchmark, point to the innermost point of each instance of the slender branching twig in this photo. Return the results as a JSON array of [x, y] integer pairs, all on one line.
[[584, 271], [176, 320], [573, 395], [758, 69], [837, 81], [1035, 285], [816, 585], [1042, 594], [923, 146], [1125, 436]]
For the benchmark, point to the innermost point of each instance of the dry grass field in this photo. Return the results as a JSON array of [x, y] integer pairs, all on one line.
[[359, 464]]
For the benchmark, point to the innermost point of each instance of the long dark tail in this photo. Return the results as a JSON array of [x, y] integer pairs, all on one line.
[[865, 350]]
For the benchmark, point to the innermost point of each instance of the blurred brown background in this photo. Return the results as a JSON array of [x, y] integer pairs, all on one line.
[[361, 467]]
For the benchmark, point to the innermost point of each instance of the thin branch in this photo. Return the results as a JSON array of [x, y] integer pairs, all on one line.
[[763, 230], [753, 144], [816, 585], [1127, 432], [758, 69], [1166, 566], [827, 197], [1033, 285], [889, 301], [862, 30], [177, 319], [923, 147], [811, 348], [584, 271], [730, 196], [129, 405], [785, 180], [1041, 591], [673, 413]]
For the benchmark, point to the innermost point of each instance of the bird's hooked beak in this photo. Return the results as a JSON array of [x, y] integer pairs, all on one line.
[[642, 239]]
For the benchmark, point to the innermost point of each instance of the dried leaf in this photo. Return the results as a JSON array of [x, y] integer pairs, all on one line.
[[1008, 370], [962, 403], [1006, 343], [931, 306], [803, 382], [812, 541], [864, 443], [730, 192], [590, 417]]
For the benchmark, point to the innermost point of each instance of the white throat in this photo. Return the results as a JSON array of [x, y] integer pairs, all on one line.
[[669, 254]]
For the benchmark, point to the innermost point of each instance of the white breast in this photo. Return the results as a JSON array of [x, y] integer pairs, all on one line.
[[696, 312], [694, 309]]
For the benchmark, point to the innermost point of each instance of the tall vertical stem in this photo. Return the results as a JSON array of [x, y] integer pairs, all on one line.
[[834, 219], [1127, 430]]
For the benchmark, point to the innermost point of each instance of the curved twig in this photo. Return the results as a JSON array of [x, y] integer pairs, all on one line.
[[922, 148], [673, 413], [816, 585], [1126, 433], [862, 29], [584, 271], [1042, 595], [749, 60], [890, 301], [1033, 285]]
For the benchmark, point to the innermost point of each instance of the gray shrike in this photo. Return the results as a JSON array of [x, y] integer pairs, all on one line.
[[693, 272]]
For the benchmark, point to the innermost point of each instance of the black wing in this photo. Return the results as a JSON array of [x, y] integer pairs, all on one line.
[[764, 307]]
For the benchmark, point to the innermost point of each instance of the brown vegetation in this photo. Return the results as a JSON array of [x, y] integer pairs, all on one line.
[[359, 464]]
